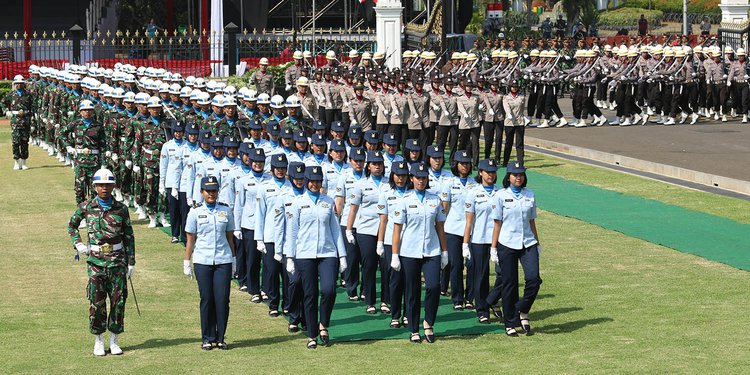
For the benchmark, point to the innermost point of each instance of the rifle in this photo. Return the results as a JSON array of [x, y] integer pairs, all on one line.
[[437, 61], [470, 68], [132, 289]]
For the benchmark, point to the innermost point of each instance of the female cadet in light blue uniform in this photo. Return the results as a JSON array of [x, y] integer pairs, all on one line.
[[336, 166], [343, 201], [210, 167], [194, 162], [234, 176], [291, 283], [372, 141], [319, 146], [387, 203], [412, 152], [353, 138], [480, 206], [454, 192], [209, 229], [390, 146], [518, 241], [418, 240], [170, 170], [244, 216], [316, 250], [438, 175], [363, 214], [299, 151], [231, 164], [268, 192], [187, 150]]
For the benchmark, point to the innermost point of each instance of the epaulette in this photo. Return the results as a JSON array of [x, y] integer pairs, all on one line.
[[223, 204], [198, 204]]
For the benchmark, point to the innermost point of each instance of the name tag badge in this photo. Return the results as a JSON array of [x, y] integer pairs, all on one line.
[[509, 199]]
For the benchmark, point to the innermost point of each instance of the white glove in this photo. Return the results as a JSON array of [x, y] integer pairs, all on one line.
[[493, 255], [353, 123], [82, 248], [277, 257], [416, 115], [114, 157], [130, 271], [290, 265], [466, 251], [174, 193], [128, 164], [466, 115], [190, 202], [287, 87], [342, 264], [108, 153], [8, 115], [724, 76], [186, 268], [162, 190], [443, 259], [435, 108], [729, 83], [396, 263], [746, 76], [237, 233], [136, 169], [70, 150], [346, 104], [623, 78], [261, 247], [234, 265], [492, 113], [380, 249], [57, 126], [350, 237]]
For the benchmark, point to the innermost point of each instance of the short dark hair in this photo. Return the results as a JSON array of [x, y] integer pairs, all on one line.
[[409, 185], [454, 169], [478, 178], [506, 180]]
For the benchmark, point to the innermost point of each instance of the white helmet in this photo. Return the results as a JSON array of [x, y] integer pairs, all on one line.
[[250, 96], [263, 61], [302, 81], [277, 101], [353, 54], [164, 87], [230, 90], [129, 78], [129, 97], [265, 99], [199, 83], [86, 104], [228, 100], [330, 55], [204, 98], [218, 100], [175, 89], [141, 98], [185, 92], [189, 80], [103, 176], [154, 102], [297, 55], [118, 93], [292, 102], [195, 94], [18, 79]]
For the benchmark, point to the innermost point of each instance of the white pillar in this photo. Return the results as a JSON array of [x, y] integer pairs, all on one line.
[[734, 11], [388, 30]]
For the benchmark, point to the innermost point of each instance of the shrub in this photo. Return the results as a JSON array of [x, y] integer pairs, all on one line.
[[675, 6], [628, 17]]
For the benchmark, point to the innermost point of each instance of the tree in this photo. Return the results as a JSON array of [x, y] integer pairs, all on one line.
[[573, 10]]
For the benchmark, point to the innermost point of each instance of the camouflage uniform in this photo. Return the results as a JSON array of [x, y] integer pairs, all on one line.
[[20, 123], [106, 271], [136, 125], [89, 144], [148, 142]]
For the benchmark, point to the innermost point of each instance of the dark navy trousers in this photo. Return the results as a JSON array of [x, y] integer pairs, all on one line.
[[353, 259], [311, 272], [413, 269], [213, 287], [480, 264], [370, 259], [395, 286], [253, 257], [271, 277], [455, 269], [294, 297], [509, 259]]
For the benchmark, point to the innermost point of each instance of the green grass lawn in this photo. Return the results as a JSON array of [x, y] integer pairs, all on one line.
[[609, 303]]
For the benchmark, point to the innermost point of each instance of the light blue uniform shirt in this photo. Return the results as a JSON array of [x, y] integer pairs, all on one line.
[[209, 167], [295, 156], [268, 192], [192, 163], [366, 194], [419, 238], [280, 223], [226, 169], [454, 192], [388, 202], [332, 173], [343, 189], [170, 164], [186, 152], [515, 213], [311, 161], [210, 227], [387, 162], [246, 199], [438, 181], [229, 189], [482, 204], [313, 229]]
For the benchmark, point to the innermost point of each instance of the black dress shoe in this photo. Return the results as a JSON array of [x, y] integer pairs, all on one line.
[[325, 339], [497, 312], [206, 346], [222, 345], [293, 329], [429, 335], [175, 240]]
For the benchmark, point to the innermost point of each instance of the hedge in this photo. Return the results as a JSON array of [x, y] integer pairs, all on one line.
[[628, 17], [675, 6]]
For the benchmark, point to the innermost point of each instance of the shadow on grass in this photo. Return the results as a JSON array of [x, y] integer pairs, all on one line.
[[162, 343], [570, 326], [261, 341], [544, 314], [50, 166]]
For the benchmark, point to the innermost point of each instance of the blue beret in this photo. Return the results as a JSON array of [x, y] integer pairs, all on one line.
[[357, 153], [209, 183], [488, 165], [419, 170], [462, 156], [279, 161], [296, 170], [516, 167]]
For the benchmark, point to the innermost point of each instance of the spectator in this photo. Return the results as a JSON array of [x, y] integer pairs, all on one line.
[[286, 54], [705, 26], [593, 29], [642, 26], [546, 28], [561, 25], [151, 29]]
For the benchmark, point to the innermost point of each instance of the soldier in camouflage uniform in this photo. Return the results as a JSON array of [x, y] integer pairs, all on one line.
[[87, 145], [20, 109], [137, 123], [111, 258], [149, 140]]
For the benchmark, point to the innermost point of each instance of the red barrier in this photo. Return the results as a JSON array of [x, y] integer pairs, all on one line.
[[197, 68], [320, 60], [8, 70]]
